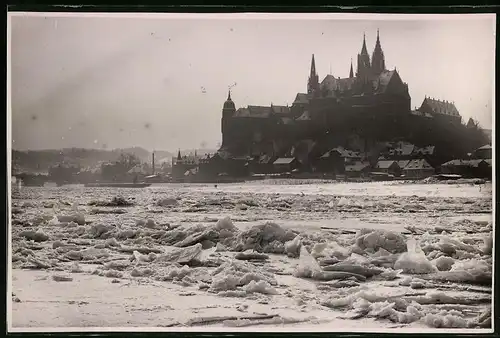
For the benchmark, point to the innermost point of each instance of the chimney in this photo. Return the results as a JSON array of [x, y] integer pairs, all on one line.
[[153, 155]]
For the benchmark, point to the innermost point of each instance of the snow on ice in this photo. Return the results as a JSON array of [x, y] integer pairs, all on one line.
[[399, 253]]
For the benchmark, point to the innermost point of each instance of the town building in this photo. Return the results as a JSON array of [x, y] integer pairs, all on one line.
[[417, 169], [390, 167]]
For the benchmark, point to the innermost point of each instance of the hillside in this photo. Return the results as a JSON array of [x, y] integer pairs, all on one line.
[[40, 160]]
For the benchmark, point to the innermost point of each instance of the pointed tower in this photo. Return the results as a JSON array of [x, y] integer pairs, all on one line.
[[179, 157], [228, 111], [313, 83], [378, 59], [363, 72], [351, 73]]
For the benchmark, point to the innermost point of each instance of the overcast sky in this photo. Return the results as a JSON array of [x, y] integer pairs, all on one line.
[[160, 82]]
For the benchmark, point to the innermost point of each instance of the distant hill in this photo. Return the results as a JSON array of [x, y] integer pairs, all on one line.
[[40, 160]]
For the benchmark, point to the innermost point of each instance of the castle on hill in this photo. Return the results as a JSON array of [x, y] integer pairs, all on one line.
[[369, 106]]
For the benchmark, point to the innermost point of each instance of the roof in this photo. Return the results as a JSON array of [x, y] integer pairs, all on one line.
[[385, 164], [280, 110], [402, 148], [284, 160], [487, 146], [428, 150], [306, 116], [458, 163], [136, 169], [380, 83], [357, 166], [418, 164], [264, 159], [441, 107], [403, 163], [342, 152], [331, 83], [240, 158], [301, 98], [254, 112]]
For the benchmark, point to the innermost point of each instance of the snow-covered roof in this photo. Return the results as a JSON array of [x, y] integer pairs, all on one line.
[[357, 167], [284, 160], [485, 147], [403, 163], [418, 164], [385, 164], [469, 163]]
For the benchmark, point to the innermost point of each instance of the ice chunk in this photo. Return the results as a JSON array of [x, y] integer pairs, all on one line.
[[97, 230], [75, 268], [37, 236], [166, 202], [78, 218], [260, 236], [62, 278], [381, 252], [342, 202], [375, 239], [444, 263], [357, 259], [225, 224], [330, 249], [174, 272], [414, 261], [113, 274], [220, 247], [224, 282], [292, 248], [308, 266], [381, 309], [111, 242], [120, 264], [444, 321], [244, 272], [406, 281], [317, 250], [418, 283], [354, 268], [54, 221], [275, 247], [181, 255], [232, 293], [251, 255], [141, 272], [488, 244], [260, 287]]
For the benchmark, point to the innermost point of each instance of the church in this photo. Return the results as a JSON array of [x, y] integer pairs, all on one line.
[[369, 106]]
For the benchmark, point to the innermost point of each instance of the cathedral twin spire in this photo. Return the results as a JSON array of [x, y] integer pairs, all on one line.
[[366, 68], [377, 64]]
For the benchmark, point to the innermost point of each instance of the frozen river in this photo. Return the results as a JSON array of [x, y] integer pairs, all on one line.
[[445, 217]]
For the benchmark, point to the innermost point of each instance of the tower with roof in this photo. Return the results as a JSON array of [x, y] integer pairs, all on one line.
[[364, 67], [313, 82], [228, 111], [378, 59]]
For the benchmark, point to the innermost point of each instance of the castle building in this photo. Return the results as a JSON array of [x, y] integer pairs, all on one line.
[[372, 103]]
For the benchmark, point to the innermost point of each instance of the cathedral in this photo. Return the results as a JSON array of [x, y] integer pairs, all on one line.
[[372, 104]]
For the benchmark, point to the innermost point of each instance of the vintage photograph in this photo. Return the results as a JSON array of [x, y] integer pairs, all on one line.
[[250, 172]]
